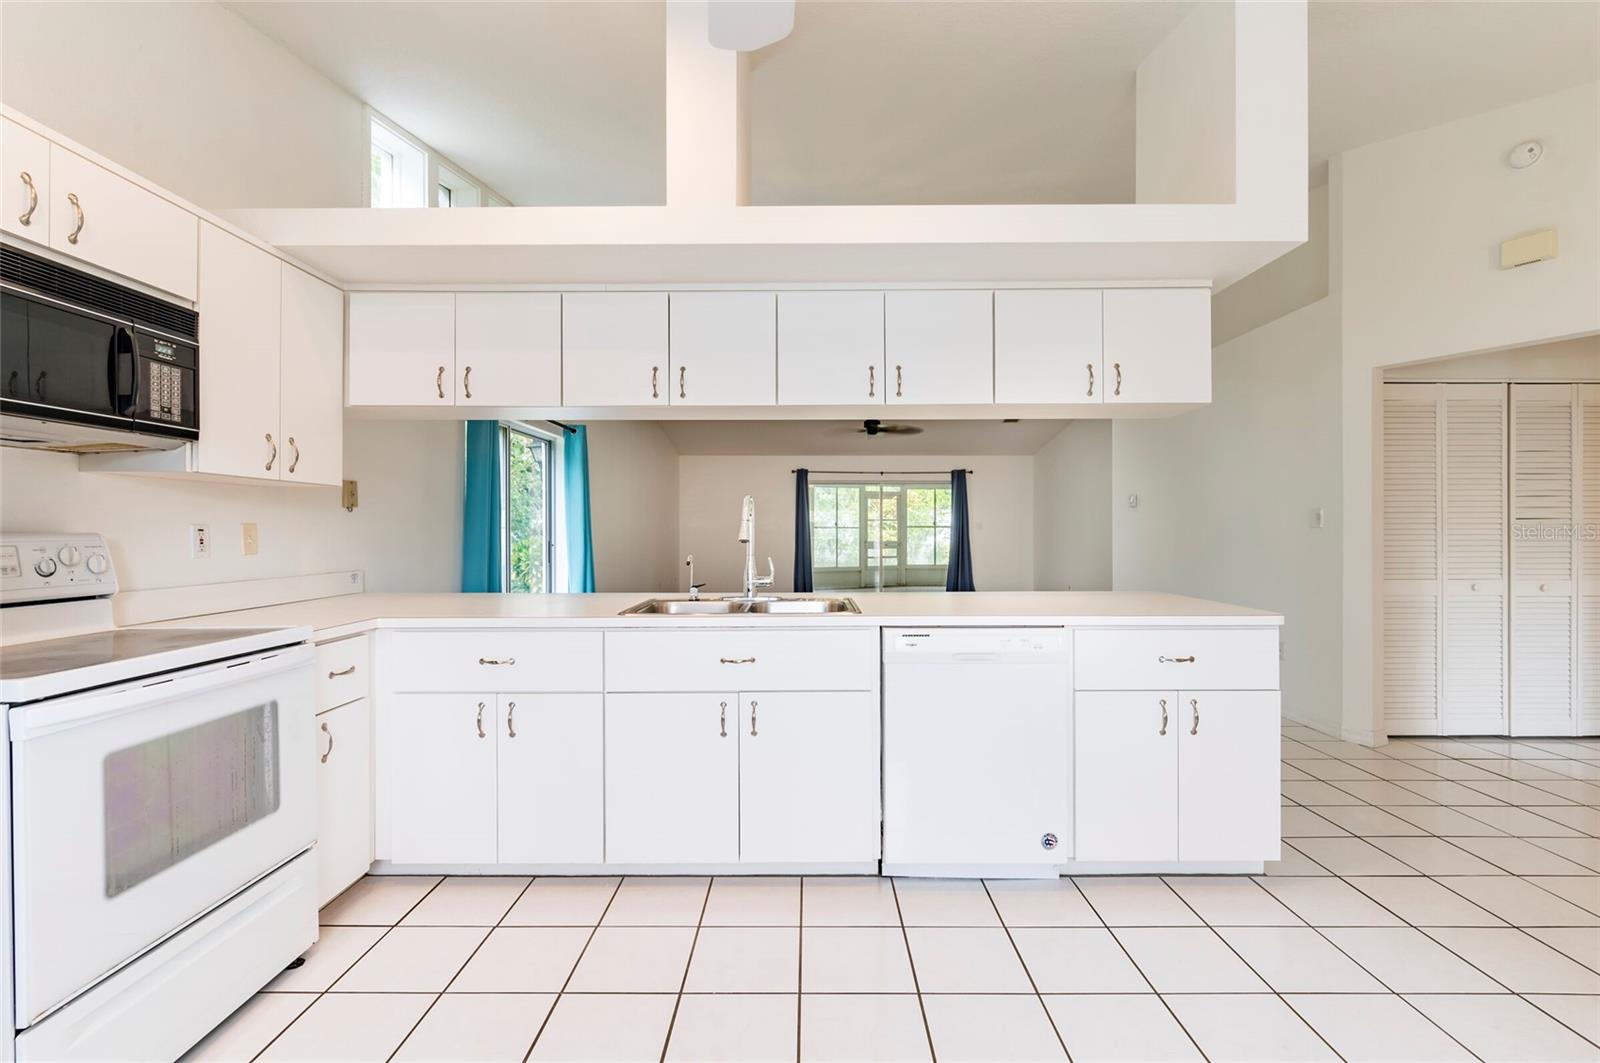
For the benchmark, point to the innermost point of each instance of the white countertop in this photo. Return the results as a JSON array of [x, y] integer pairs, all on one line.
[[353, 613]]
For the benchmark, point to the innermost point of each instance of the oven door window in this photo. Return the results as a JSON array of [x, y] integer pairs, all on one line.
[[173, 796], [70, 359]]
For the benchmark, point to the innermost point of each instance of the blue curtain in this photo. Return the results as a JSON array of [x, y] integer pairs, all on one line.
[[959, 575], [802, 531], [580, 534], [482, 561]]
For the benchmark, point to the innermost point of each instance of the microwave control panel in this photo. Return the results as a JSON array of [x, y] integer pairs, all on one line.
[[35, 568]]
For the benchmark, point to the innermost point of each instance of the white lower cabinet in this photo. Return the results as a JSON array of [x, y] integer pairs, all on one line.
[[672, 778], [440, 764], [1177, 775], [344, 797], [551, 779]]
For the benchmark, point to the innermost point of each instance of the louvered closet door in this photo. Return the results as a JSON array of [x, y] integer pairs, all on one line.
[[1589, 562], [1475, 585], [1412, 426], [1544, 501]]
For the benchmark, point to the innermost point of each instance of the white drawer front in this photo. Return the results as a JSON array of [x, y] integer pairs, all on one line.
[[344, 670], [1176, 659], [529, 661], [739, 659]]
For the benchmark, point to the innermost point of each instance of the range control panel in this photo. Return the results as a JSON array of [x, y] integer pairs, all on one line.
[[36, 568]]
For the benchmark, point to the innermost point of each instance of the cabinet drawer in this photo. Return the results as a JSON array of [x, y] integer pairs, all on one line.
[[343, 671], [530, 661], [1176, 659], [739, 659]]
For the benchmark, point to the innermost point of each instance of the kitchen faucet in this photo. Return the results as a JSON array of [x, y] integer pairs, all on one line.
[[747, 535]]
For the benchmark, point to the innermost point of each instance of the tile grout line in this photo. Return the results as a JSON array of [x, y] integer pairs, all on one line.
[[911, 961], [688, 962], [800, 974], [604, 911], [1051, 1019]]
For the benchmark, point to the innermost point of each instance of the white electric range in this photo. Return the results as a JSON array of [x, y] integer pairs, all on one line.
[[159, 799]]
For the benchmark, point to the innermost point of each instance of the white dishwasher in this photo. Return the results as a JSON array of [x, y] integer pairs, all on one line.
[[977, 751]]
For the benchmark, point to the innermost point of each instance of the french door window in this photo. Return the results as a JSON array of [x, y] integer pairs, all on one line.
[[874, 535], [527, 510]]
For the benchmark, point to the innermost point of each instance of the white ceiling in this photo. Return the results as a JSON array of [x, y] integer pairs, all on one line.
[[819, 438], [870, 102]]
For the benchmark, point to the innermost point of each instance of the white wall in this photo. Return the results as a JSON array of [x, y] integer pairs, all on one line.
[[405, 534], [1000, 502], [1227, 494], [1560, 362], [186, 95], [1185, 112], [1072, 509], [633, 506], [1282, 286]]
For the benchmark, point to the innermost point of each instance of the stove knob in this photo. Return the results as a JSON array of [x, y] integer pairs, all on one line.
[[45, 566], [69, 555], [98, 564]]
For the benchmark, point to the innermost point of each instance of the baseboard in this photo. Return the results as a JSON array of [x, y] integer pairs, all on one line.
[[176, 603]]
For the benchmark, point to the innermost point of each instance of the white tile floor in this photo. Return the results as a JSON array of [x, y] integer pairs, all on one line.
[[1437, 899]]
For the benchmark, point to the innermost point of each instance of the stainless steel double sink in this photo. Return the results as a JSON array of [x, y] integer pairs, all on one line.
[[739, 607]]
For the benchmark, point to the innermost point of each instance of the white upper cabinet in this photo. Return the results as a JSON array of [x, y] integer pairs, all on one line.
[[402, 349], [311, 379], [723, 349], [112, 222], [614, 349], [508, 349], [1047, 346], [25, 184], [939, 347], [1157, 344], [240, 328], [830, 348]]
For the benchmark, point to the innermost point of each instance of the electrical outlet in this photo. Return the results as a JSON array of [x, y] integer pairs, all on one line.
[[252, 543], [199, 540]]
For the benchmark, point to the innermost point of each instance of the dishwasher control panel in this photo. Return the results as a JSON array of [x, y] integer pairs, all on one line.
[[1008, 641]]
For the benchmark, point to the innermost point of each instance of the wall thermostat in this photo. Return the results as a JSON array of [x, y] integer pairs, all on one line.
[[1525, 154]]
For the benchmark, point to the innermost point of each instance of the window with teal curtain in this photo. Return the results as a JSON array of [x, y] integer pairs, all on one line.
[[580, 534], [482, 559]]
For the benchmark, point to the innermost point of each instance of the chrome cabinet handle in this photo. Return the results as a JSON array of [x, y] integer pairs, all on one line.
[[466, 381], [341, 673], [1194, 726], [1175, 660], [329, 733], [26, 217], [737, 660], [438, 382], [511, 728], [1090, 367], [1118, 367], [655, 380], [1163, 716], [77, 209], [683, 372], [752, 719], [723, 724], [274, 458], [496, 660], [481, 733], [898, 381], [294, 461], [872, 381]]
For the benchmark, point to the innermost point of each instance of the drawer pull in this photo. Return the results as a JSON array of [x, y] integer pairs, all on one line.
[[329, 733], [511, 727], [1194, 727], [738, 660], [1176, 660], [1163, 716], [341, 673], [493, 660], [723, 720], [752, 719], [481, 733]]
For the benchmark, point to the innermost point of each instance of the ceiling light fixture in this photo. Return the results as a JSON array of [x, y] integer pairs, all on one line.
[[746, 25]]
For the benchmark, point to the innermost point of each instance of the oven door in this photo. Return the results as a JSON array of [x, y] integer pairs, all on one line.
[[138, 808]]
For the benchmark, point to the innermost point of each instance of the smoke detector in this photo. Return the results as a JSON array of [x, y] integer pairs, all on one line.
[[1525, 154]]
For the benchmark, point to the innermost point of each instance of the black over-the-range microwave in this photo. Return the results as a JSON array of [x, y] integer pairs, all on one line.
[[88, 365]]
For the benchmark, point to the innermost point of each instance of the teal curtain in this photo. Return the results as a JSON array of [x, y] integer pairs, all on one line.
[[482, 561], [580, 535]]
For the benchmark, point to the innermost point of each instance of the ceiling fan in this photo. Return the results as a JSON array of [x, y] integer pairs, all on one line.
[[874, 427]]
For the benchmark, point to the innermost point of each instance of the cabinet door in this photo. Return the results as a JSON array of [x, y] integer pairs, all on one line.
[[1228, 806], [118, 225], [551, 752], [439, 753], [939, 347], [240, 329], [311, 380], [402, 348], [1047, 346], [830, 348], [25, 183], [1157, 344], [344, 797], [672, 778], [508, 349], [788, 812], [1126, 761], [614, 349], [724, 349]]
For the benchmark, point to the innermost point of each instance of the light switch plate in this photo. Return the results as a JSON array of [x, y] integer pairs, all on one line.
[[252, 542]]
